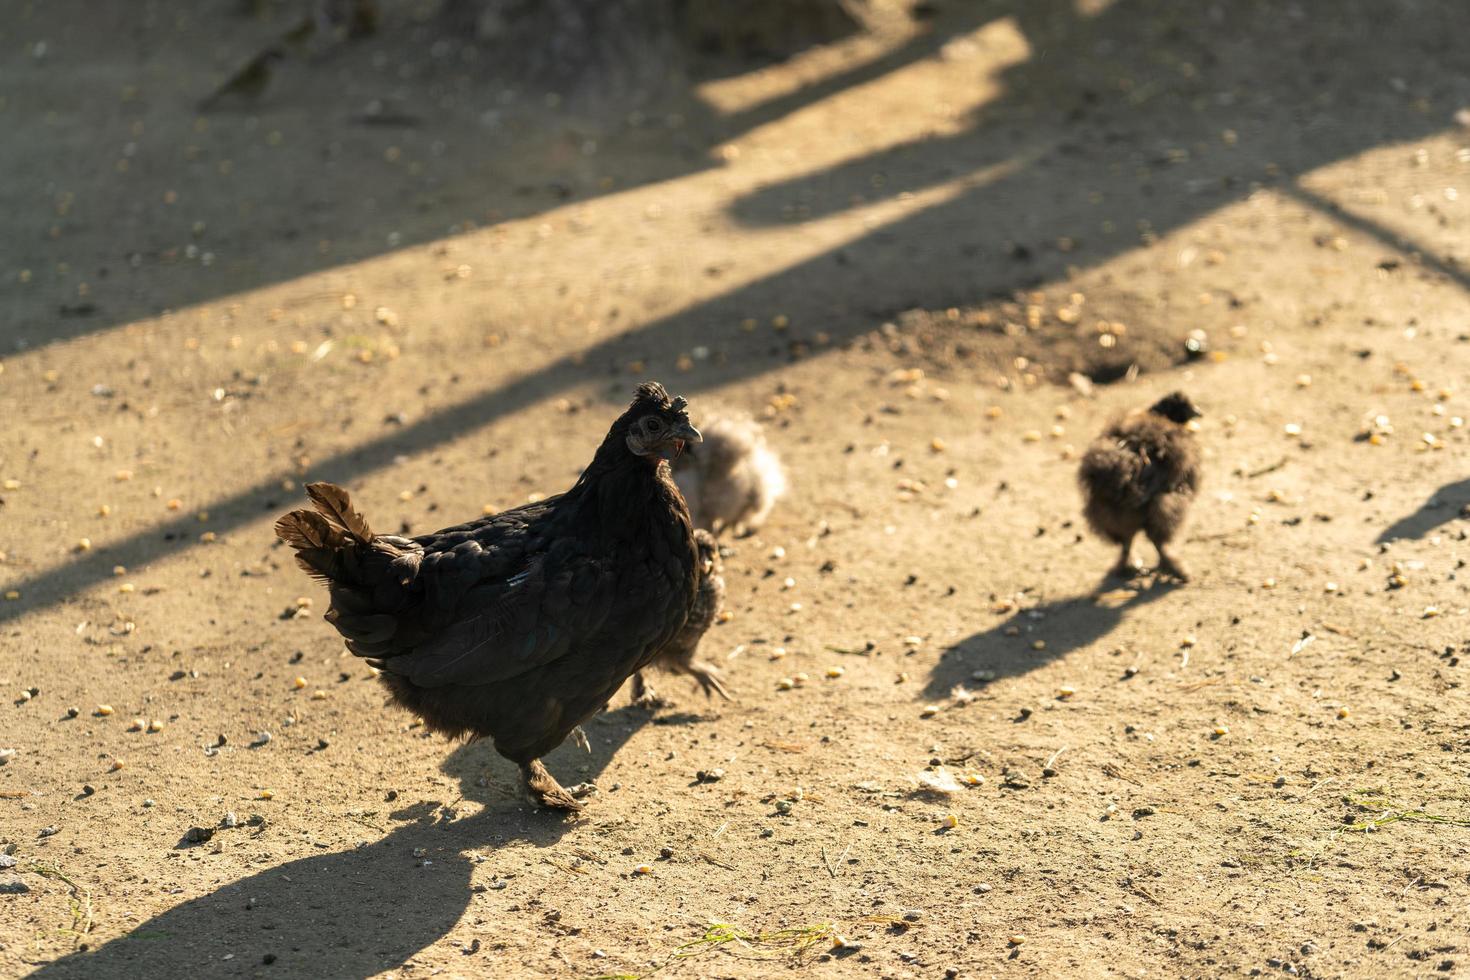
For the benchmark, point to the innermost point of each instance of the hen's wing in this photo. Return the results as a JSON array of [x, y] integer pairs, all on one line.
[[498, 627]]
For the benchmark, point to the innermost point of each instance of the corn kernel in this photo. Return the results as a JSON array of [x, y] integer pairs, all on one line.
[[950, 821], [643, 869], [835, 672], [155, 725], [1343, 712], [1065, 692], [299, 683], [137, 725], [930, 710], [103, 710], [1222, 730]]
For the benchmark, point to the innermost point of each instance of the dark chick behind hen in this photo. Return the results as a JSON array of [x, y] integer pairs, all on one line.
[[521, 625], [678, 656], [1141, 475]]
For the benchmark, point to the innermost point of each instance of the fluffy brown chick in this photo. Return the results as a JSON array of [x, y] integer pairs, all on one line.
[[678, 656], [1141, 475], [732, 479]]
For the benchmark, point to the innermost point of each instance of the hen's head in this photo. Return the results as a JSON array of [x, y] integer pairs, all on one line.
[[1176, 407], [656, 426]]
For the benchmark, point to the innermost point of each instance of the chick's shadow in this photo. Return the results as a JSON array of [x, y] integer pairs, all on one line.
[[1063, 625], [359, 912], [1444, 505]]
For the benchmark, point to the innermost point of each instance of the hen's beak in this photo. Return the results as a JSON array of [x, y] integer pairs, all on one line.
[[678, 436]]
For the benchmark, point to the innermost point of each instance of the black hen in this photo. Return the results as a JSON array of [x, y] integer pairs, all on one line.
[[520, 626], [1141, 475], [678, 656]]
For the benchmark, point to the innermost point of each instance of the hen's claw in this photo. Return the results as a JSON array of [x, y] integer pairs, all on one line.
[[579, 739]]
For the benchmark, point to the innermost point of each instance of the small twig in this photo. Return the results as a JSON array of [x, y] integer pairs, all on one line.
[[1394, 941], [1267, 469], [1054, 757], [1109, 769], [718, 864]]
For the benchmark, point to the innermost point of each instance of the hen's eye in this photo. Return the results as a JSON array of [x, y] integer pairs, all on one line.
[[653, 425]]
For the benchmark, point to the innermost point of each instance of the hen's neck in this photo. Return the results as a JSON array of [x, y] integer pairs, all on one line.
[[629, 496]]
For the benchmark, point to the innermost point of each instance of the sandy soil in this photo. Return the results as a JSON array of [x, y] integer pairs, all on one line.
[[897, 249]]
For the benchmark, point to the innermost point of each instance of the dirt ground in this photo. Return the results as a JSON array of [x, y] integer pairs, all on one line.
[[395, 274]]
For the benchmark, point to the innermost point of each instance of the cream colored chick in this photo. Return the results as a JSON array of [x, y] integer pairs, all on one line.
[[732, 479]]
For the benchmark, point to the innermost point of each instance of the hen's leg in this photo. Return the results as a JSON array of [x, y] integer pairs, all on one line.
[[1125, 568], [545, 791]]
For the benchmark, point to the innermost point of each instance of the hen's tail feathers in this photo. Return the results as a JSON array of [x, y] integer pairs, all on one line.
[[320, 546], [327, 538], [333, 503]]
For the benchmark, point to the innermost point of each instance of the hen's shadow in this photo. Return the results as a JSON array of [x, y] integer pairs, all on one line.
[[1443, 506], [358, 912], [1064, 625]]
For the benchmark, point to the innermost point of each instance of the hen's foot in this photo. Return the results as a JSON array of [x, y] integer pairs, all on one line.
[[545, 791]]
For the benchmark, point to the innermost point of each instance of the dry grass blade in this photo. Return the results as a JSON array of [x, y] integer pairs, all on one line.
[[1387, 811], [81, 899]]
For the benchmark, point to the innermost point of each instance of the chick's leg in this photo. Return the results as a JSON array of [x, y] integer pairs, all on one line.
[[1169, 566], [709, 679], [644, 695], [1125, 567], [545, 791]]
